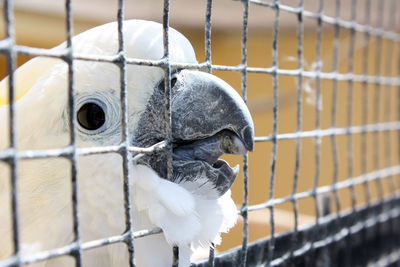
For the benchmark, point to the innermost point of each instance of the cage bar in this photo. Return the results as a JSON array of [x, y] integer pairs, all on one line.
[[365, 234]]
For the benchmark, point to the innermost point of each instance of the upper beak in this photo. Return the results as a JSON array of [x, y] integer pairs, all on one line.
[[203, 105]]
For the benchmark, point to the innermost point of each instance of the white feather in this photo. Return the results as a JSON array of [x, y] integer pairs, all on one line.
[[167, 204], [185, 218]]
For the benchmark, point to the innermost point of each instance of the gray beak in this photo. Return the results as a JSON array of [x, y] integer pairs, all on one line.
[[209, 118], [204, 105]]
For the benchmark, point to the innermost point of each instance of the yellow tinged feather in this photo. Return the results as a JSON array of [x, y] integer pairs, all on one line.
[[25, 77]]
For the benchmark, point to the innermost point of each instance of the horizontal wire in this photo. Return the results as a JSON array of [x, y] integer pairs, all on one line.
[[340, 235], [71, 248], [391, 259], [68, 151], [62, 53], [366, 177], [369, 128], [351, 25]]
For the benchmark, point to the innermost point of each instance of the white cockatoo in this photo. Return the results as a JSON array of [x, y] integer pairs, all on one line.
[[192, 208]]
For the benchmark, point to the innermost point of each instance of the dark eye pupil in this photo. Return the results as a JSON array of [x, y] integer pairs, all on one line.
[[91, 116]]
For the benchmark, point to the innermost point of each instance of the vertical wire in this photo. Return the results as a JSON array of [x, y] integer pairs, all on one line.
[[207, 45], [350, 105], [364, 120], [13, 161], [167, 104], [349, 154], [397, 108], [337, 223], [388, 89], [300, 39], [378, 50], [364, 111], [274, 140], [243, 73], [376, 107], [175, 255], [387, 112], [333, 110], [398, 111], [207, 35], [73, 158], [125, 154], [317, 116], [211, 257], [167, 86]]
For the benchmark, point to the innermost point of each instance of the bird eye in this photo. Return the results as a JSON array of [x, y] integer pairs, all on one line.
[[91, 116]]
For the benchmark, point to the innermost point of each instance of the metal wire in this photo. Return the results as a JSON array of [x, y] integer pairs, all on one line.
[[207, 60], [243, 209], [364, 110], [367, 177], [335, 158], [77, 253], [300, 37], [12, 161], [317, 140], [371, 79], [274, 129], [329, 240], [319, 237], [125, 154], [377, 99]]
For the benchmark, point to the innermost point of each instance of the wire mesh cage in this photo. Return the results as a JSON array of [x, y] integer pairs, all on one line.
[[321, 80]]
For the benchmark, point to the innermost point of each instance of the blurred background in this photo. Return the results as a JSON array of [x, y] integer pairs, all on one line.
[[41, 23]]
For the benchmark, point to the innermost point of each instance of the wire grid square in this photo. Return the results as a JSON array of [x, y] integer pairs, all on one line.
[[370, 173]]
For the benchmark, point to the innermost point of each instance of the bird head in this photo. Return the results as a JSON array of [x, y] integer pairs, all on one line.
[[209, 118]]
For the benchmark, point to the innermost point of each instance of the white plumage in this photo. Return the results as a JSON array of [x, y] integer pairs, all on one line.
[[184, 216], [188, 218]]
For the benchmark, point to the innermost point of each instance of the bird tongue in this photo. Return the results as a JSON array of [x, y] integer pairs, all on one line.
[[211, 148]]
